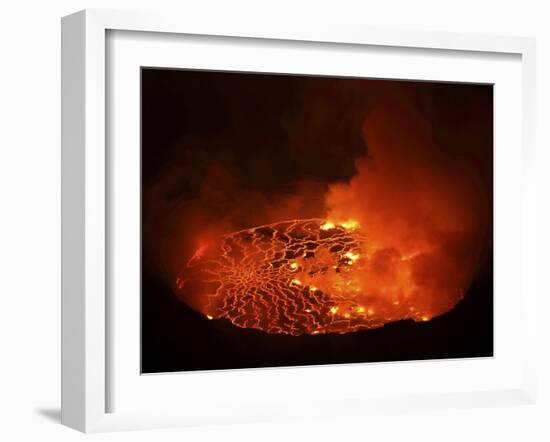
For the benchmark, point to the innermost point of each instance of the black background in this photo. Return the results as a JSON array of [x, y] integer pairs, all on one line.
[[253, 123]]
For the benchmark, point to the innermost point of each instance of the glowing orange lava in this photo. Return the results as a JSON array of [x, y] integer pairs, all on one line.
[[303, 276]]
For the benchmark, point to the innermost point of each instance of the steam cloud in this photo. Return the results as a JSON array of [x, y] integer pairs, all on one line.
[[425, 210]]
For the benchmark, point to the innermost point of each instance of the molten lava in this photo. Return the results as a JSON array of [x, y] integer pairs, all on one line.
[[306, 277]]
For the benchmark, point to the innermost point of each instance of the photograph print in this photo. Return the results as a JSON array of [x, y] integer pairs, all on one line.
[[299, 220]]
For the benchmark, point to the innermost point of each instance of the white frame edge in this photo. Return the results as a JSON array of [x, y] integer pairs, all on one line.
[[83, 222], [84, 199]]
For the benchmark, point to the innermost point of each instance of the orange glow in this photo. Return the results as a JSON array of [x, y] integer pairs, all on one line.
[[351, 225], [352, 256], [327, 225], [348, 225], [295, 277]]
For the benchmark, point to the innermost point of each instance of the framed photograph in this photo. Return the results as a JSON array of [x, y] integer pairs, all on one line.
[[263, 222]]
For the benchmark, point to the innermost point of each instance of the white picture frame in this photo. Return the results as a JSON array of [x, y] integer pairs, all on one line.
[[86, 356]]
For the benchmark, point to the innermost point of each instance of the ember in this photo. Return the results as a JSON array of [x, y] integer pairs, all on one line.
[[300, 277]]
